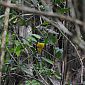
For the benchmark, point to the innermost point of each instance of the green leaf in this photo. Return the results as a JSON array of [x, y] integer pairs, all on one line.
[[27, 69], [14, 68], [57, 1], [27, 82], [21, 21], [32, 82], [47, 60], [58, 77], [36, 36], [57, 74], [63, 10], [52, 39], [17, 50], [31, 39], [45, 23], [46, 41], [58, 53], [17, 42], [7, 38], [45, 71]]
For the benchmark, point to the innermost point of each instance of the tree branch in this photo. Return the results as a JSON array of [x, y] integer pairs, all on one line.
[[32, 10], [6, 20]]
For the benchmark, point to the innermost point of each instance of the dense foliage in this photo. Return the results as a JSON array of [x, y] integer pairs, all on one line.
[[34, 45]]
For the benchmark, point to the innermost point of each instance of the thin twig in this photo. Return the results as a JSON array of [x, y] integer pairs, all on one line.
[[11, 55], [46, 83]]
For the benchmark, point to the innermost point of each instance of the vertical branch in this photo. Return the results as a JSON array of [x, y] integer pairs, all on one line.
[[82, 67], [84, 14], [82, 72], [6, 19]]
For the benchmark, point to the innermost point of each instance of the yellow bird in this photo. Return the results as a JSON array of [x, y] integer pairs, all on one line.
[[40, 47]]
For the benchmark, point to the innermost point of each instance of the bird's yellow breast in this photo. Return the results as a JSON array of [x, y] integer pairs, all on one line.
[[40, 47]]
